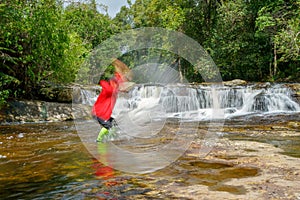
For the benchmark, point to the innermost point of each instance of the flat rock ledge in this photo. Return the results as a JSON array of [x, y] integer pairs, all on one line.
[[42, 111], [278, 178]]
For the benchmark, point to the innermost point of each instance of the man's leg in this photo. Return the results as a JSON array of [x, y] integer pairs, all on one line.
[[104, 130], [102, 133]]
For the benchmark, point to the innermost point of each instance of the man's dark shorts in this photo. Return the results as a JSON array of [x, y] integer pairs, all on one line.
[[107, 124]]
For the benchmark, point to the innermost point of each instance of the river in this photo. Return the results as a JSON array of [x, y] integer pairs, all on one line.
[[256, 156]]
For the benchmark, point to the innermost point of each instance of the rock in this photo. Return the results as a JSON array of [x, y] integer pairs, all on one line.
[[260, 103], [264, 85], [67, 93], [37, 111], [295, 125], [295, 88], [235, 82]]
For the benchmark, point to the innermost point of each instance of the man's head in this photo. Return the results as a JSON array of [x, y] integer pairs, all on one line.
[[123, 69]]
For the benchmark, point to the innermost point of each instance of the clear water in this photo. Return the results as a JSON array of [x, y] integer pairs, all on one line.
[[48, 161]]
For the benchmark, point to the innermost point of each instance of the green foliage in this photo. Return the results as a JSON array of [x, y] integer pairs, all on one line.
[[5, 91], [230, 41], [48, 40], [173, 17], [201, 17], [153, 13], [34, 39], [92, 26], [288, 47], [74, 56], [288, 41], [278, 23], [43, 41]]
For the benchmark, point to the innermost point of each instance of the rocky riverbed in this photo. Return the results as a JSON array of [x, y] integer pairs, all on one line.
[[251, 160], [271, 149]]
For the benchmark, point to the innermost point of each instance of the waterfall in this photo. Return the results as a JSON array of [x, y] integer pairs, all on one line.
[[197, 102], [86, 95], [274, 99]]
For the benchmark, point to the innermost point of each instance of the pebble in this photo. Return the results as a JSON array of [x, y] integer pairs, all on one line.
[[21, 135]]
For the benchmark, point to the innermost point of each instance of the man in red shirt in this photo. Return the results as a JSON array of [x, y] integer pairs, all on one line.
[[105, 102]]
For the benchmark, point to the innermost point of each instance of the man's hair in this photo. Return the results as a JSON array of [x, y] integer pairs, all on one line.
[[122, 68]]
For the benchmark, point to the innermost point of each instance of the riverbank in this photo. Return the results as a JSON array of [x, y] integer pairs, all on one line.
[[41, 111], [54, 103]]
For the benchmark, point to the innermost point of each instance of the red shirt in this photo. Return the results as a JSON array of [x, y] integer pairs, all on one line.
[[106, 101]]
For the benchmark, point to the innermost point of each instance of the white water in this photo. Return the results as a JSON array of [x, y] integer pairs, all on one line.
[[142, 113], [150, 102]]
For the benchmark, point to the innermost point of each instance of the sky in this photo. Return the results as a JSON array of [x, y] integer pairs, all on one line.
[[114, 5]]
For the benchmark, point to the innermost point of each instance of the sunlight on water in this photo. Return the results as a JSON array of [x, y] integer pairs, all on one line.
[[48, 160]]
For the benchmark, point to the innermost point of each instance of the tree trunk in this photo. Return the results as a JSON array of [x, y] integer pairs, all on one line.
[[180, 71], [270, 69], [275, 60]]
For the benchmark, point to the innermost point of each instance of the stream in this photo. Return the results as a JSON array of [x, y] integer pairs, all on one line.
[[49, 161], [256, 156]]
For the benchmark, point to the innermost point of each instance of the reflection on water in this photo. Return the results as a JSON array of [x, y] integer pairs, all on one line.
[[48, 161], [45, 159]]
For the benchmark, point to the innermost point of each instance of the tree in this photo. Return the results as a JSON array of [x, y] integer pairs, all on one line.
[[287, 41], [278, 21], [201, 18], [230, 43], [153, 13], [36, 45], [92, 26]]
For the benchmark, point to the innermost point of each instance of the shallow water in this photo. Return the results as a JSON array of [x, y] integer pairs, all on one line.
[[289, 144], [49, 161]]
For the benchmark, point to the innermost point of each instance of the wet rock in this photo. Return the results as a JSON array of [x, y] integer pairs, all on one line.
[[63, 93], [294, 125], [260, 103], [295, 88], [38, 111], [235, 82], [263, 85]]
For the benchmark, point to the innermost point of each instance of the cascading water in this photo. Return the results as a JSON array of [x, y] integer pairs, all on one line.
[[251, 100], [196, 102], [85, 95]]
